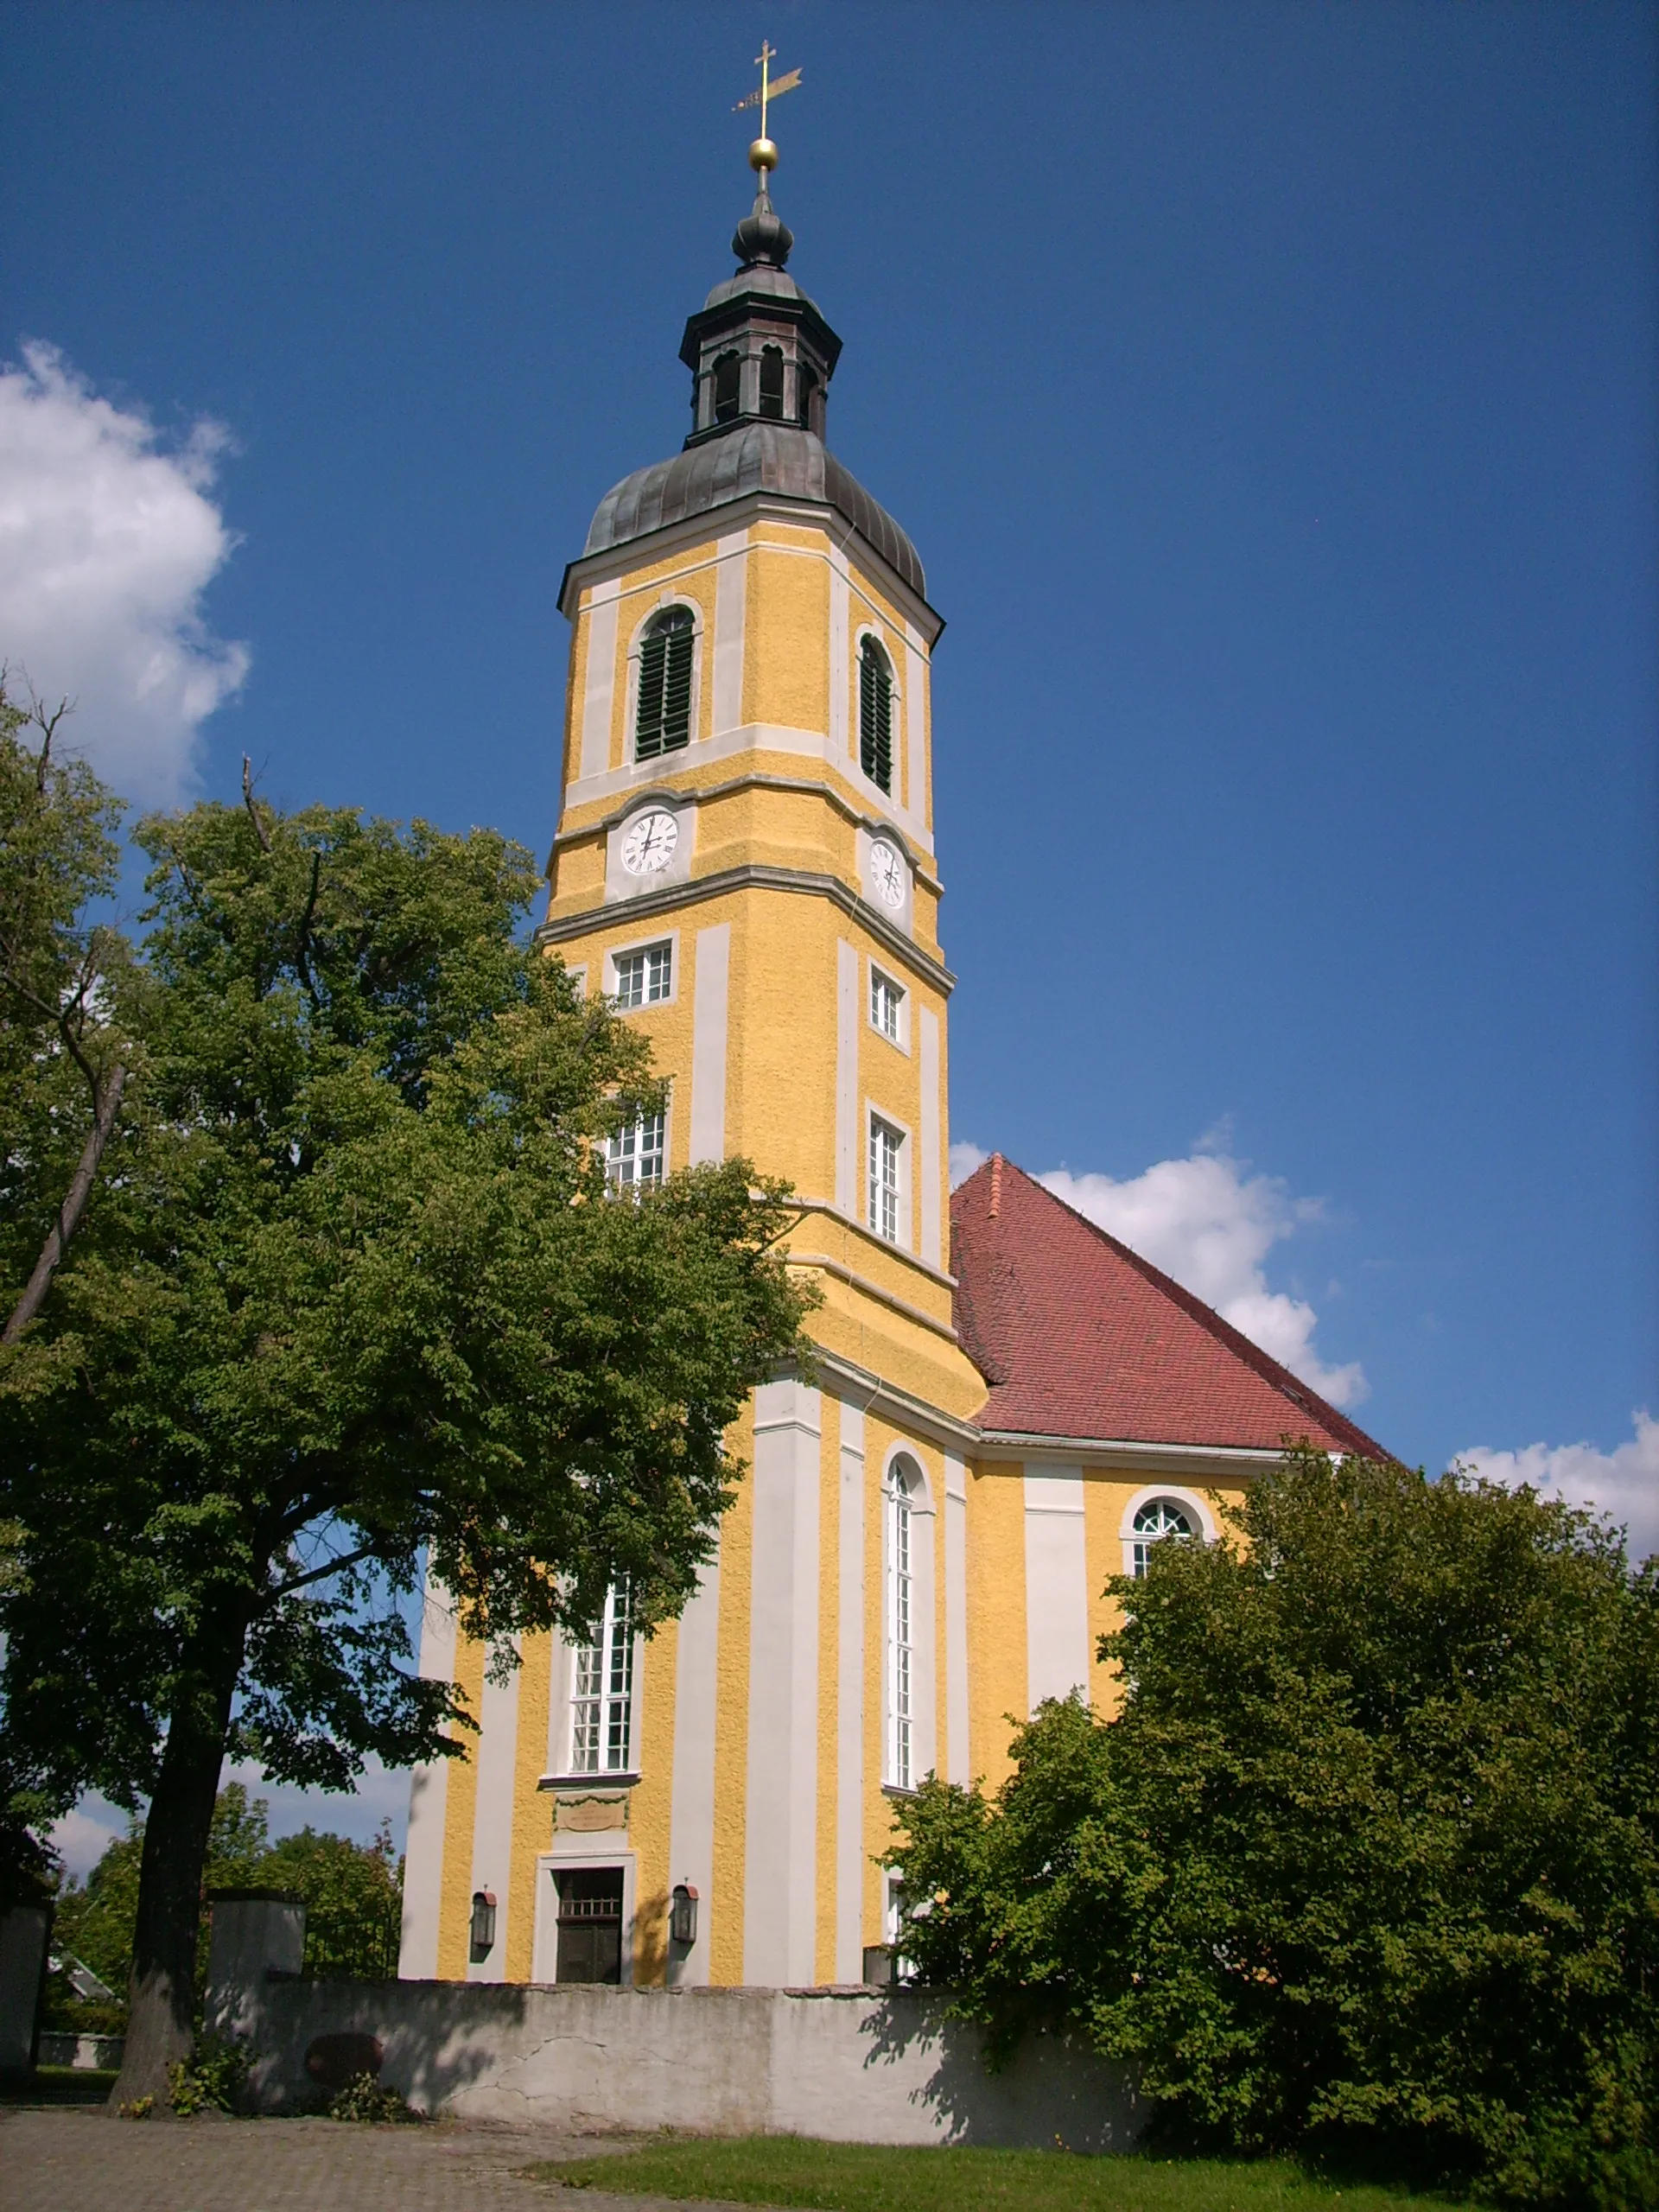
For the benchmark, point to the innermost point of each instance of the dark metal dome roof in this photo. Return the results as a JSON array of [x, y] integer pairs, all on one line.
[[754, 456]]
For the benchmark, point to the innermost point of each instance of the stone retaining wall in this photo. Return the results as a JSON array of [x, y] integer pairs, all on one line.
[[851, 2066]]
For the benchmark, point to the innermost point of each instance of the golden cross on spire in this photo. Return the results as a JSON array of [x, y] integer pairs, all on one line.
[[770, 88]]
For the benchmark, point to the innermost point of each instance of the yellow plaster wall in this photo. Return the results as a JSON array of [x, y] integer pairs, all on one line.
[[787, 640], [532, 1809], [997, 1679], [650, 1804], [461, 1801]]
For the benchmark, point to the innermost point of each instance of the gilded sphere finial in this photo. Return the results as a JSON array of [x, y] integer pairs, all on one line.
[[763, 155]]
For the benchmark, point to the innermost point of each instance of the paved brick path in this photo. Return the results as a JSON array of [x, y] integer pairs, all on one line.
[[69, 2160]]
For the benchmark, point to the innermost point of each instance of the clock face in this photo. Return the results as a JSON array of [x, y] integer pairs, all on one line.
[[649, 845], [887, 873]]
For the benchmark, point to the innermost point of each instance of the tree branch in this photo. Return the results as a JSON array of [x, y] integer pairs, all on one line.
[[320, 1573], [73, 1206], [304, 937], [260, 829]]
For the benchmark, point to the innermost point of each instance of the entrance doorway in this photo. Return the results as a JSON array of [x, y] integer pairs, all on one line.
[[590, 1924]]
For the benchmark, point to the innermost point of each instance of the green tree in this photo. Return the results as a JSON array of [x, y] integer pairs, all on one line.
[[1370, 1852], [97, 1919], [63, 1060], [359, 1294]]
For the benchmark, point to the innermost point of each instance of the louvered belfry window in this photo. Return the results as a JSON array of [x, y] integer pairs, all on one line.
[[875, 713], [664, 724]]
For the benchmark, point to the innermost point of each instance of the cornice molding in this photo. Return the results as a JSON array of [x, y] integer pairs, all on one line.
[[754, 876], [731, 515]]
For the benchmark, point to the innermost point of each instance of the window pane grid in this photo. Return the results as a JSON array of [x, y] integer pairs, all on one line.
[[602, 1700], [644, 978], [1157, 1518], [900, 1655], [884, 1181], [885, 998], [637, 1154]]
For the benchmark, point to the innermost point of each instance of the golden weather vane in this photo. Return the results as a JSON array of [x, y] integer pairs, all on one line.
[[763, 155]]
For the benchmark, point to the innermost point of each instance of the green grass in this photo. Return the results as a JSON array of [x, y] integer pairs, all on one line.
[[786, 2170]]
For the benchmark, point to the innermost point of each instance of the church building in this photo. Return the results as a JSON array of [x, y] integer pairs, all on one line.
[[1008, 1405]]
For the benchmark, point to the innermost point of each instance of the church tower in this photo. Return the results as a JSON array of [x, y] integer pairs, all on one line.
[[1006, 1406], [744, 864]]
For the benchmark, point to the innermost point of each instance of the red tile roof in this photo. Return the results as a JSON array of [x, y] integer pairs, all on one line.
[[1078, 1336]]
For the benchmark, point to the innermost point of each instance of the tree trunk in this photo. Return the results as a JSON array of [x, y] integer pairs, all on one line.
[[160, 2024]]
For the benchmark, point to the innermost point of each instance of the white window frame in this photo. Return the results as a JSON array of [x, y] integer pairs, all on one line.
[[1198, 1511], [879, 978], [616, 1645], [900, 1649], [663, 941], [875, 1120], [669, 597], [627, 1147]]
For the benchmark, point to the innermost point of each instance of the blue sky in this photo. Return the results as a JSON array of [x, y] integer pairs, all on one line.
[[1269, 390]]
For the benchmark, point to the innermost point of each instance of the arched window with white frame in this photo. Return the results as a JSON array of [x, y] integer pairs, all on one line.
[[904, 1531], [1156, 1522]]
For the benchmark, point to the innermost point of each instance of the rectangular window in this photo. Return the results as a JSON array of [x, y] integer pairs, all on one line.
[[601, 1698], [884, 1180], [645, 977], [886, 1006], [634, 1158]]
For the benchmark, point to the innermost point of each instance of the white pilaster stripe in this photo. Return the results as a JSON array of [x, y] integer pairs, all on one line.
[[840, 673], [849, 1703], [496, 1750], [691, 1808], [709, 1029], [957, 1754], [429, 1798], [781, 1856], [931, 1165], [1057, 1583], [847, 1030], [601, 679], [731, 589]]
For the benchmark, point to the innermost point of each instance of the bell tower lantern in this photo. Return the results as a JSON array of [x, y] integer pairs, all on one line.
[[759, 350]]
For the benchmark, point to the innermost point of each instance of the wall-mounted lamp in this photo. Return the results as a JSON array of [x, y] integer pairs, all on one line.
[[483, 1929], [683, 1915]]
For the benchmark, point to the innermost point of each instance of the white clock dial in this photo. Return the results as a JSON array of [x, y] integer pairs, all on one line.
[[649, 845], [887, 873]]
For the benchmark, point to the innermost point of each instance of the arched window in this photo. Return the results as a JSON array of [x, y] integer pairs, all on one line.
[[728, 369], [806, 385], [903, 1484], [662, 723], [1157, 1518], [875, 713], [771, 383]]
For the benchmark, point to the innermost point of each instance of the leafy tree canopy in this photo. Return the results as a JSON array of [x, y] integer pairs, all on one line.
[[1370, 1850], [352, 1291]]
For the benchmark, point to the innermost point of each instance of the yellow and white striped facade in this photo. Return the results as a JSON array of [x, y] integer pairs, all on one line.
[[763, 1727], [760, 1718]]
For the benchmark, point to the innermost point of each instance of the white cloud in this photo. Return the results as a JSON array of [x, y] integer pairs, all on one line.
[[107, 541], [1210, 1223], [1623, 1482], [81, 1837], [964, 1159]]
